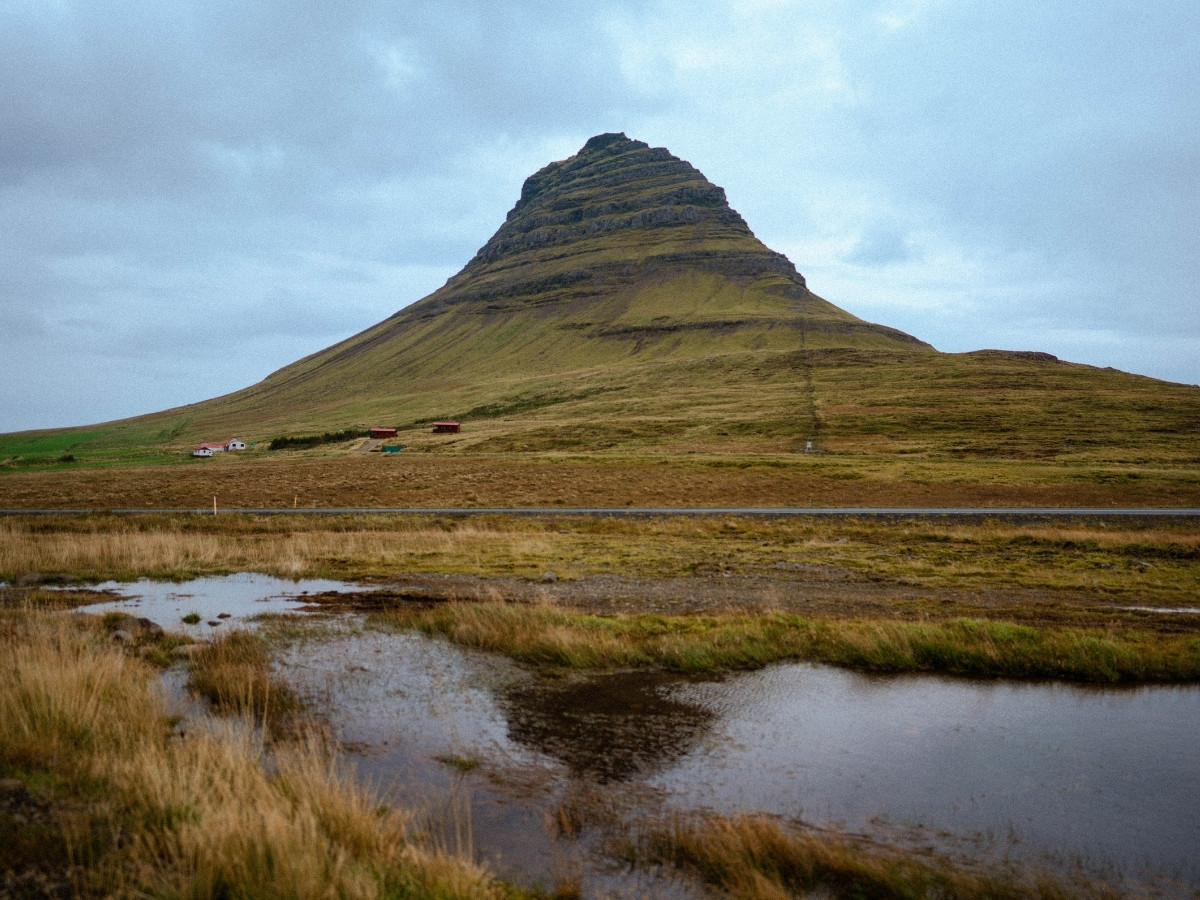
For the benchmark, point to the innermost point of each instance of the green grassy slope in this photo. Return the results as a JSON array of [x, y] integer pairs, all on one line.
[[868, 402]]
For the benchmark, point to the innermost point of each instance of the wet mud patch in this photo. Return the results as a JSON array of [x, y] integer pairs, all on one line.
[[606, 728], [370, 599]]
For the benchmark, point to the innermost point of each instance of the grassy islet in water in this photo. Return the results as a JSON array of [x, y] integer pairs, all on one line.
[[545, 635]]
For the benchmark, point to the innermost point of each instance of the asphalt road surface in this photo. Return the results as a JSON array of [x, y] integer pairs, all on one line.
[[915, 512]]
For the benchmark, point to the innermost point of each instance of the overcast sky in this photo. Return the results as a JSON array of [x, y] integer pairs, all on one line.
[[193, 194]]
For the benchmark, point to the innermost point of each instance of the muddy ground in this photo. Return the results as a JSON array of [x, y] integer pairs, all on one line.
[[811, 591]]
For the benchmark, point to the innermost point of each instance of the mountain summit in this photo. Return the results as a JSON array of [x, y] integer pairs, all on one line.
[[616, 211], [593, 232], [617, 251]]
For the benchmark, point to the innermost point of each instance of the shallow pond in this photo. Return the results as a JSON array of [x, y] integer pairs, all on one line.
[[1048, 773], [236, 598]]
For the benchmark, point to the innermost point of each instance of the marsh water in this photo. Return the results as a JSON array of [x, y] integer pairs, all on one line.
[[1045, 773], [219, 600], [1048, 773]]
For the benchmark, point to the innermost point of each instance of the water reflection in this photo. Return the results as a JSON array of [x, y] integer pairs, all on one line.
[[220, 601], [608, 727], [1104, 775], [1026, 770]]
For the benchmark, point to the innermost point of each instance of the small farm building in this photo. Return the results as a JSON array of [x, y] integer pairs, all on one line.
[[383, 432], [235, 444], [445, 428], [208, 449]]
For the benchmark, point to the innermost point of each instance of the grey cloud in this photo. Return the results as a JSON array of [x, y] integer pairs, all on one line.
[[183, 176], [882, 244], [1071, 130]]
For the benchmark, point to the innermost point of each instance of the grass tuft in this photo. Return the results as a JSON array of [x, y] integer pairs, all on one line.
[[548, 636], [462, 762], [233, 672], [754, 857]]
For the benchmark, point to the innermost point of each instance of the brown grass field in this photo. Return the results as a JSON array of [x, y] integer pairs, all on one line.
[[259, 479], [1102, 565]]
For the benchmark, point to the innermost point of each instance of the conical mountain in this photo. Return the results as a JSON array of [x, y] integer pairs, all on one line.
[[619, 256], [624, 305], [622, 231]]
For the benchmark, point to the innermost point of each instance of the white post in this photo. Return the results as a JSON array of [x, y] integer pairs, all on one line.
[[214, 504]]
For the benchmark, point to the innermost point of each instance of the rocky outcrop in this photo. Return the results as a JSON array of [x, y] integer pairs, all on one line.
[[616, 197], [1034, 355]]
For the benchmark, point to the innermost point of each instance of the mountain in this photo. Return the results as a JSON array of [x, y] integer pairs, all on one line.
[[626, 245], [613, 264], [621, 254], [623, 304]]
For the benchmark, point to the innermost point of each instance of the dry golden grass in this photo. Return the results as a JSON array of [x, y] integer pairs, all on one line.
[[1151, 561], [107, 552], [65, 693], [753, 857], [1071, 573], [1067, 581], [121, 550], [507, 480], [146, 813], [233, 672]]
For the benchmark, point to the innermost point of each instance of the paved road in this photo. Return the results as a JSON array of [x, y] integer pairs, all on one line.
[[915, 512]]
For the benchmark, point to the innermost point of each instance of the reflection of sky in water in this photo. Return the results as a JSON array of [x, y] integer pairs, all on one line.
[[400, 701], [1109, 775], [241, 596]]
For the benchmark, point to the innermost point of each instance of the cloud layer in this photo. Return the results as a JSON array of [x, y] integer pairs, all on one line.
[[194, 194]]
